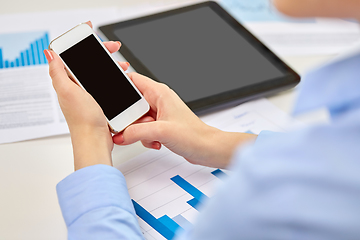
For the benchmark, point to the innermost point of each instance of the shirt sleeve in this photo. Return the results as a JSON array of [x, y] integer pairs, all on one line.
[[95, 204], [303, 185], [264, 136]]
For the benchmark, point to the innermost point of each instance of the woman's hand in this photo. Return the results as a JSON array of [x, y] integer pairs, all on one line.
[[171, 123], [90, 135]]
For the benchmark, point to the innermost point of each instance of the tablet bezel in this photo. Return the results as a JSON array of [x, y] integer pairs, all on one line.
[[224, 99]]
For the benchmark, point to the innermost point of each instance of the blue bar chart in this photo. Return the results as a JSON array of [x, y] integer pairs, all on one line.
[[23, 49], [164, 225], [169, 227], [218, 173], [199, 197]]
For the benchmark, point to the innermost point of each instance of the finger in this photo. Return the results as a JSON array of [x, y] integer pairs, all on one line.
[[157, 94], [149, 88], [124, 65], [141, 82], [152, 113], [144, 119], [89, 23], [150, 132], [57, 72], [119, 138], [112, 46], [152, 145]]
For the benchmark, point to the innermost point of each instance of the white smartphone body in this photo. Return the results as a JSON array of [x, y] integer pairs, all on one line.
[[91, 65]]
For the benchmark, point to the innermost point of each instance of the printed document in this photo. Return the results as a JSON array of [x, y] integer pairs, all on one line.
[[28, 104]]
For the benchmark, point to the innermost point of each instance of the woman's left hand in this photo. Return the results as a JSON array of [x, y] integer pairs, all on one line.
[[90, 135]]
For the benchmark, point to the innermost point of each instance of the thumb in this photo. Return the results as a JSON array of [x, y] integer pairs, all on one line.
[[149, 132], [57, 72]]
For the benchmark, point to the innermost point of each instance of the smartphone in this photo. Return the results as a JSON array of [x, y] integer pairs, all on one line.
[[92, 67]]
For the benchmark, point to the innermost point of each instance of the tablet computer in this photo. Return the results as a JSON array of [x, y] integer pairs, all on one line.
[[206, 56]]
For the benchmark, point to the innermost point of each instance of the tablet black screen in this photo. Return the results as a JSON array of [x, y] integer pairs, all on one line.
[[204, 54], [197, 53]]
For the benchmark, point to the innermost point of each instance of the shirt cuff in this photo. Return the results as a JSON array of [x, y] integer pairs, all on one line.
[[91, 188]]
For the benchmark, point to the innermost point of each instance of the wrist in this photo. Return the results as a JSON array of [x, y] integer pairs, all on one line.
[[222, 146], [91, 147]]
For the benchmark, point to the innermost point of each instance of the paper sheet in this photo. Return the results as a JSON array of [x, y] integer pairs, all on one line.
[[28, 103], [293, 36], [165, 188]]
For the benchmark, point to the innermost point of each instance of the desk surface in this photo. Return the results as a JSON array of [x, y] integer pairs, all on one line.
[[30, 170]]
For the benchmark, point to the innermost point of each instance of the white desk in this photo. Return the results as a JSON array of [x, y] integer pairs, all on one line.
[[30, 170]]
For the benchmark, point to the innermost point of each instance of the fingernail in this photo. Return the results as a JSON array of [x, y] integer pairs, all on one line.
[[118, 43], [48, 55], [119, 138], [128, 64], [156, 145]]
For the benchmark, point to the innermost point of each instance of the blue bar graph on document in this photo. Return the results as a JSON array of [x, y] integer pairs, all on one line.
[[218, 173], [199, 197], [23, 49], [163, 225]]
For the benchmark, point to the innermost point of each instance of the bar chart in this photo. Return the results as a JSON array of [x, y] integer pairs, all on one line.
[[168, 192], [199, 197], [167, 226], [23, 49]]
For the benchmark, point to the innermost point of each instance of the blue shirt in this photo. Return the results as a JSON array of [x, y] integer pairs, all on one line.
[[299, 185]]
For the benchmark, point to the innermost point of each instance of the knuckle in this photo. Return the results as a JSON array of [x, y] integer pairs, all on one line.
[[133, 75], [163, 90], [53, 72], [147, 144], [130, 130], [163, 87], [190, 160], [131, 133]]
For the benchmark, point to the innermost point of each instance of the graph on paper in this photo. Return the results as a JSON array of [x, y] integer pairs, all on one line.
[[23, 49], [168, 192], [166, 226]]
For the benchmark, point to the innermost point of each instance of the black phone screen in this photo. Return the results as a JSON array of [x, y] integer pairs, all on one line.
[[100, 76]]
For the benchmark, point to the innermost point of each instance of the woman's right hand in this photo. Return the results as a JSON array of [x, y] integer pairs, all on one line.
[[171, 123]]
